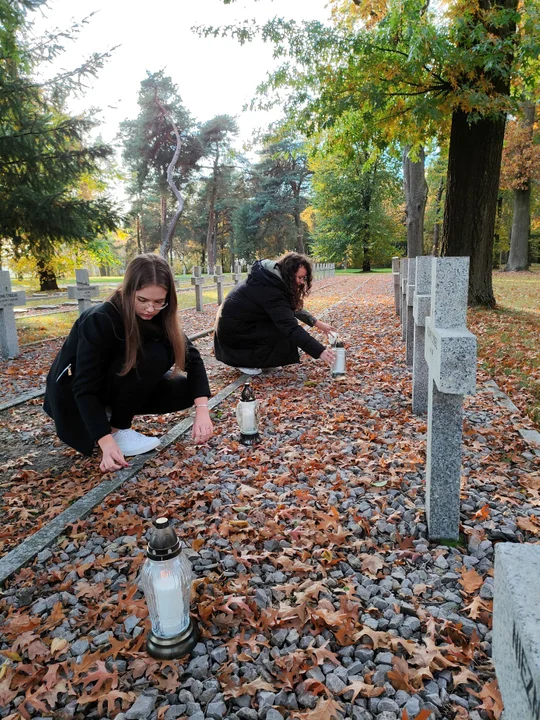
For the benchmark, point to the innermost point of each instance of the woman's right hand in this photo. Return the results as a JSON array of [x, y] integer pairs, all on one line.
[[113, 458], [328, 356]]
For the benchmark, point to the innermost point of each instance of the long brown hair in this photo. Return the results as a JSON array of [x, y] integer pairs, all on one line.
[[289, 264], [144, 270]]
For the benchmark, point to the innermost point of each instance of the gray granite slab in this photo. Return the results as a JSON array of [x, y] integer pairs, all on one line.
[[9, 344], [516, 629]]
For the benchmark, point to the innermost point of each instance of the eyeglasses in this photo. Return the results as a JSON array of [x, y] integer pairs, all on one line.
[[155, 305]]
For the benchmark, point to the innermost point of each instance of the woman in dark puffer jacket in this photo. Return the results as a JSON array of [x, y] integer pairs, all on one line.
[[257, 324], [116, 363]]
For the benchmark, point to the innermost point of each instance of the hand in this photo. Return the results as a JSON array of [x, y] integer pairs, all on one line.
[[325, 327], [202, 425], [113, 458], [328, 356]]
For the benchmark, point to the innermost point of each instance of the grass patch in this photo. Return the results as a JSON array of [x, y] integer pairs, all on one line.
[[44, 327], [509, 338]]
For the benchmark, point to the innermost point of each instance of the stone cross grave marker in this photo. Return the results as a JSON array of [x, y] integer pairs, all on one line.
[[516, 629], [397, 288], [83, 291], [421, 310], [403, 304], [451, 358], [198, 281], [9, 344], [237, 276], [409, 336], [219, 278]]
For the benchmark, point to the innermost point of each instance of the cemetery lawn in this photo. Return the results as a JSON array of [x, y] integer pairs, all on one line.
[[509, 338]]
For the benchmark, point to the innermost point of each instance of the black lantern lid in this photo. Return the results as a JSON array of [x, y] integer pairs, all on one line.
[[247, 393], [339, 344], [164, 543]]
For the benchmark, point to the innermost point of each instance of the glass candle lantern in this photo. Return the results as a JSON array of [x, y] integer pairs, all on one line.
[[338, 366], [166, 578], [247, 415]]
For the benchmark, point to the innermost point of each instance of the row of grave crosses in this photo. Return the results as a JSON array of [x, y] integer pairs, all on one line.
[[84, 293], [430, 295]]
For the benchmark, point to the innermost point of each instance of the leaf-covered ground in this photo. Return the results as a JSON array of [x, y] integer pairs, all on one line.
[[40, 475], [317, 591]]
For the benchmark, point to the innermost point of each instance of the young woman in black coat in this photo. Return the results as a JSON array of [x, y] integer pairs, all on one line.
[[257, 324], [116, 363]]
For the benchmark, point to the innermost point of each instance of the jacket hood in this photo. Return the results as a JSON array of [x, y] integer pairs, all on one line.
[[265, 272], [271, 266]]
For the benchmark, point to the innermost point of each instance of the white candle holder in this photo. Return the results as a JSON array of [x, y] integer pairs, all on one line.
[[339, 364], [166, 578], [247, 415]]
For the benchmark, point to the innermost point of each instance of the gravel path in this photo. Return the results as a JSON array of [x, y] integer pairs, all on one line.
[[317, 591]]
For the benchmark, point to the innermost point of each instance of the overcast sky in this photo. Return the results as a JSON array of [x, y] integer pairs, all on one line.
[[214, 75]]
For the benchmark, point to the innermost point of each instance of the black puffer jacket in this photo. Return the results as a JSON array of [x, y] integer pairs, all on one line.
[[75, 397], [257, 327]]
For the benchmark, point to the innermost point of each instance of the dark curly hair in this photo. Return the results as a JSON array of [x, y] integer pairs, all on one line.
[[289, 264]]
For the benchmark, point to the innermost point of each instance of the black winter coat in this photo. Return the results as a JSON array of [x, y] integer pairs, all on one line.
[[75, 396], [257, 327]]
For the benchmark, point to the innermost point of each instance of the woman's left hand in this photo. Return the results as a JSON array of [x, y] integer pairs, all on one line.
[[325, 327], [202, 425]]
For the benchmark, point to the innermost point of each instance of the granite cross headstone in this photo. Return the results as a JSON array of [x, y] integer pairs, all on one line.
[[9, 344], [451, 358], [516, 629], [397, 288], [219, 277], [198, 281], [83, 291], [409, 336], [421, 310], [237, 277], [403, 305]]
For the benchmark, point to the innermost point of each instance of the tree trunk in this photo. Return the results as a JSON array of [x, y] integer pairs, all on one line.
[[437, 226], [415, 189], [521, 221], [138, 226], [472, 186], [47, 276], [167, 240], [474, 160], [300, 248], [163, 220], [211, 233], [498, 253], [518, 258]]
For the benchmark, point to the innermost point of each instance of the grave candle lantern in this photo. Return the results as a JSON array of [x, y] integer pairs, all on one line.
[[166, 581], [338, 366], [247, 415]]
